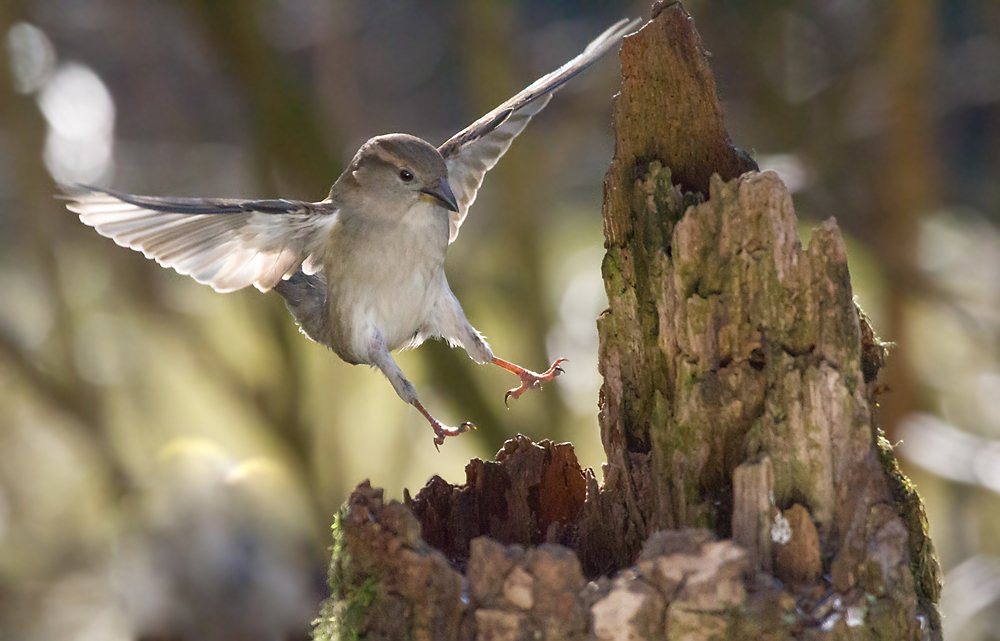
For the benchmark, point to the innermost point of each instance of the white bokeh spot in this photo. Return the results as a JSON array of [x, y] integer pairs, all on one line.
[[80, 113]]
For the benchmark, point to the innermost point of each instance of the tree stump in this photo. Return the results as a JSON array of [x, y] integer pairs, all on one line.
[[747, 493]]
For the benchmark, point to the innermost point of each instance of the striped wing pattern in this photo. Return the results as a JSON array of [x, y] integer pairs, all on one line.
[[232, 244], [227, 244]]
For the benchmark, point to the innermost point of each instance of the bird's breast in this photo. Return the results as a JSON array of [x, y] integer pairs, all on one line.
[[381, 276]]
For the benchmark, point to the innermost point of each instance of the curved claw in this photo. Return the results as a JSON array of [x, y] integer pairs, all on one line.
[[532, 380], [443, 431]]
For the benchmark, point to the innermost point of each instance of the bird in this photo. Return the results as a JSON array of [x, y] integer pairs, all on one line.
[[362, 271]]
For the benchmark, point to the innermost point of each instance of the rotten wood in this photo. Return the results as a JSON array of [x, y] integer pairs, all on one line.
[[797, 559], [753, 511]]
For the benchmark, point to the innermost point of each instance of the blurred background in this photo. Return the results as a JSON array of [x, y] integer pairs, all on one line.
[[170, 457]]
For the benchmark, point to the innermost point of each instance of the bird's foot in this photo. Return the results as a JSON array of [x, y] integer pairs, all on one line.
[[529, 379], [442, 431]]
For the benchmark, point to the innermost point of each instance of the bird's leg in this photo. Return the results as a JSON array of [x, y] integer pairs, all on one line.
[[529, 379], [450, 323], [379, 356]]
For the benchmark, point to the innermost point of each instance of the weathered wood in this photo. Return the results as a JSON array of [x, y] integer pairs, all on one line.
[[797, 559], [739, 380], [528, 496], [753, 510]]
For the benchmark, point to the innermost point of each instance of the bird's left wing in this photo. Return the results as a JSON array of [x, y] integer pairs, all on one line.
[[228, 244], [473, 151]]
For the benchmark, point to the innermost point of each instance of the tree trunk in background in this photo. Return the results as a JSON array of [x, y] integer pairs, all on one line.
[[738, 414], [909, 188]]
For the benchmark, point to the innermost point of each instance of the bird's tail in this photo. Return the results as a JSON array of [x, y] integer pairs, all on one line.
[[305, 296]]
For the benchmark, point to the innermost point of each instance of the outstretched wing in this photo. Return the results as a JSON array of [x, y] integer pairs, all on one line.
[[228, 244], [473, 151]]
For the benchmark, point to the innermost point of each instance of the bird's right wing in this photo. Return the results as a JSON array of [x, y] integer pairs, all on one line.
[[228, 244], [472, 152]]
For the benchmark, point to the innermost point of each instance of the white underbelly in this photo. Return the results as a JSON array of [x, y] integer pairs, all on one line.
[[386, 291], [396, 309]]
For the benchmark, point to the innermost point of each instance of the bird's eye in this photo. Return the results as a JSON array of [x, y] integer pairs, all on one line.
[[405, 175]]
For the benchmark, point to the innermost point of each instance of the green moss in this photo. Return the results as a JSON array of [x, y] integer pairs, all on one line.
[[924, 563], [755, 438], [671, 437], [661, 411], [669, 205], [670, 434], [339, 557], [614, 280], [887, 620], [699, 313], [339, 619], [794, 479], [851, 383], [344, 610]]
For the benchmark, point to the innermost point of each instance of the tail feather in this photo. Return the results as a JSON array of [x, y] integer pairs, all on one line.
[[305, 296]]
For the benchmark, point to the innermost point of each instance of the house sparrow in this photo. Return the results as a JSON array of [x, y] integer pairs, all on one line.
[[362, 271]]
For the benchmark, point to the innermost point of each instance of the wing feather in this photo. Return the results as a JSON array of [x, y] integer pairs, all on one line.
[[228, 244], [475, 150]]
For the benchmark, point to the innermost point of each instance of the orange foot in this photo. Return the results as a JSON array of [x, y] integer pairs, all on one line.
[[442, 431], [529, 379]]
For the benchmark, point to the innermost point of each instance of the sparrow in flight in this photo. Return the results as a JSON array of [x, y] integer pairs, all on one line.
[[362, 271]]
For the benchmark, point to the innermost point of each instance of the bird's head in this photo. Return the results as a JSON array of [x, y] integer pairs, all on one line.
[[401, 170]]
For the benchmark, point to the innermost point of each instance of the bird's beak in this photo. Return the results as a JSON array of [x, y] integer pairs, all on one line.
[[440, 191]]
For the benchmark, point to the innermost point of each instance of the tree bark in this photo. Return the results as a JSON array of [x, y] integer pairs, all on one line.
[[748, 492]]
